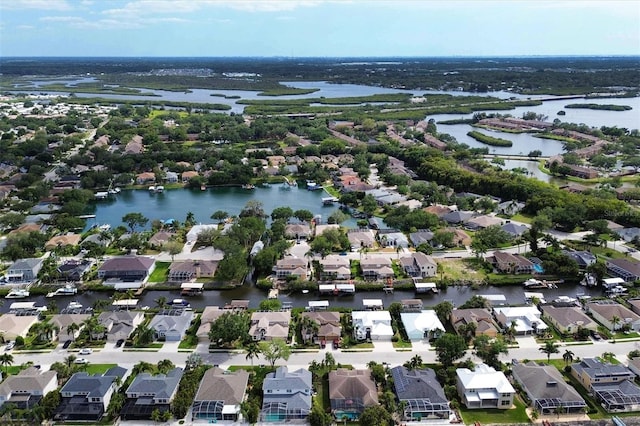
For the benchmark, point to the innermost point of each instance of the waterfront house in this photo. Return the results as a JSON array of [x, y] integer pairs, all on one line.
[[591, 371], [419, 265], [160, 238], [582, 258], [101, 240], [63, 241], [482, 319], [291, 266], [192, 235], [329, 328], [74, 270], [189, 270], [376, 267], [286, 395], [12, 325], [209, 315], [421, 393], [372, 325], [526, 319], [297, 231], [24, 270], [359, 238], [171, 177], [334, 267], [511, 263], [270, 325], [350, 392], [613, 315], [26, 389], [626, 269], [568, 319], [423, 325], [146, 177], [219, 395], [127, 268], [148, 393], [86, 397], [188, 175], [484, 388], [547, 390], [119, 324], [171, 325], [320, 229], [62, 323], [411, 305]]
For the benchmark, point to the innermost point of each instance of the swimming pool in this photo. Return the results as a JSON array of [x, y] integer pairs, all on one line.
[[538, 268]]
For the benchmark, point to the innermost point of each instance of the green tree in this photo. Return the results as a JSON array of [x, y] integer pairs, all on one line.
[[550, 347], [219, 215], [489, 349], [319, 417], [303, 215], [270, 305], [134, 220], [443, 310], [173, 248], [449, 348], [274, 350], [253, 351], [369, 205], [284, 213], [376, 415], [414, 363], [568, 357], [229, 328], [6, 360]]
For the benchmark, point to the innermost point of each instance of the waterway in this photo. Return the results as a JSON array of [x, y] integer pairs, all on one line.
[[455, 294], [175, 203]]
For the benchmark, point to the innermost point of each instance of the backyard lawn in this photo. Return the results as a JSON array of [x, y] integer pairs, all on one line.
[[160, 273], [490, 416], [461, 270], [98, 368]]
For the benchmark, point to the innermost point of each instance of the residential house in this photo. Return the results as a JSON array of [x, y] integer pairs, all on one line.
[[24, 270], [160, 238], [420, 393], [146, 177], [297, 231], [626, 269], [209, 315], [171, 325], [291, 266], [482, 222], [63, 241], [188, 175], [26, 389], [482, 319], [484, 388], [547, 389], [591, 372], [569, 319], [148, 393], [135, 146], [582, 258], [12, 325], [419, 265], [423, 325], [634, 366], [613, 315], [86, 397], [127, 268], [97, 239], [361, 238], [334, 267], [119, 324], [171, 177], [411, 305], [512, 263], [460, 237], [629, 234], [635, 305], [392, 238], [329, 327], [376, 267], [270, 325], [421, 236], [192, 235], [320, 229], [350, 392], [525, 319], [438, 210], [286, 395], [372, 325], [457, 217], [618, 397], [509, 208], [219, 395], [74, 270], [513, 229], [188, 270], [62, 323]]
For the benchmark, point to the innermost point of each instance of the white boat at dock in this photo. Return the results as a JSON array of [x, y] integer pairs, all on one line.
[[17, 293], [179, 303], [67, 290], [534, 283], [152, 188], [74, 306]]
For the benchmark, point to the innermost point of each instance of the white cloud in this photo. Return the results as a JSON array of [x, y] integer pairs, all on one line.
[[137, 7], [36, 4]]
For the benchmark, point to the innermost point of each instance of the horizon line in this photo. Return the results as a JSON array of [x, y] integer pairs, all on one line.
[[337, 57]]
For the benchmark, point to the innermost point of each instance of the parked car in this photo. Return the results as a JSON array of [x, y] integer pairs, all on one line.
[[81, 361], [9, 346], [66, 344], [596, 336], [336, 344], [119, 343], [85, 351]]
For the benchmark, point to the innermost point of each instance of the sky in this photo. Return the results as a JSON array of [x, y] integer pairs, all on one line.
[[318, 28]]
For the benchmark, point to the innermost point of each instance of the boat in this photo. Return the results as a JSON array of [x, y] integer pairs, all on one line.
[[17, 293], [67, 290], [203, 187], [248, 186], [72, 306], [159, 188], [533, 283], [565, 301], [104, 227], [152, 188], [179, 303], [312, 186], [114, 191], [589, 280]]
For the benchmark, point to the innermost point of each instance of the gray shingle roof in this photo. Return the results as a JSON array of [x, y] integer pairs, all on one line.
[[544, 381], [417, 384], [159, 386], [220, 385]]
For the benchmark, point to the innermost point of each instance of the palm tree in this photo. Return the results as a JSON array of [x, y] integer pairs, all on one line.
[[253, 351], [6, 360], [414, 363], [165, 366], [190, 220], [568, 356], [72, 329], [308, 328], [615, 320], [142, 366], [69, 360], [550, 347]]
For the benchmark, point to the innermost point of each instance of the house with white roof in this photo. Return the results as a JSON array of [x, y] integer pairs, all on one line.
[[423, 325], [484, 388], [373, 325], [525, 318], [195, 230]]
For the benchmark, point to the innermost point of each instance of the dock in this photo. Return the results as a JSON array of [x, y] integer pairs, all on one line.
[[274, 293], [329, 200]]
